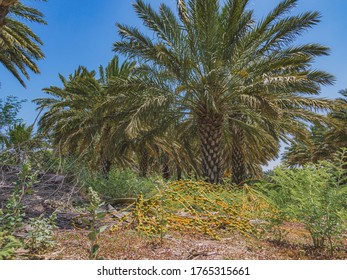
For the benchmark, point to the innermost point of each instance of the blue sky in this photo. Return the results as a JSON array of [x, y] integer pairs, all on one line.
[[81, 32]]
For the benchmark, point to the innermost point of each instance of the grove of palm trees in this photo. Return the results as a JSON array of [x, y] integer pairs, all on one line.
[[161, 152]]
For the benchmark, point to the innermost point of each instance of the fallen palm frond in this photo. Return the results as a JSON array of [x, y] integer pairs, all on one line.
[[195, 207]]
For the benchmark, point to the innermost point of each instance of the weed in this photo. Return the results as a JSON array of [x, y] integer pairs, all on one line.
[[12, 215], [27, 177], [8, 245], [41, 236], [95, 230]]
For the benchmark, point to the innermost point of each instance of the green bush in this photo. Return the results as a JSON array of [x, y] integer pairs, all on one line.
[[314, 195], [11, 216], [121, 184], [41, 235], [8, 245]]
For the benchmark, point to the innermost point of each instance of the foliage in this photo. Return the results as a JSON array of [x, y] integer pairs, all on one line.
[[20, 47], [9, 109], [121, 184], [12, 214], [17, 142], [314, 195], [20, 144], [95, 230], [195, 207], [312, 148], [41, 234], [8, 245], [193, 102], [27, 177], [337, 135]]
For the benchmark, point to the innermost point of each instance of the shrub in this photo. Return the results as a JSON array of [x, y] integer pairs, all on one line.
[[121, 184], [27, 177], [11, 217], [8, 245], [314, 195], [41, 234], [13, 213]]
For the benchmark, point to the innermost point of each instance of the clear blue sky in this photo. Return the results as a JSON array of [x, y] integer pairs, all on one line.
[[81, 32]]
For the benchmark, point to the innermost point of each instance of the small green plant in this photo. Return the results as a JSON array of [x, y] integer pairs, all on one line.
[[13, 212], [12, 215], [27, 177], [95, 231], [41, 236], [8, 245], [279, 199], [275, 225]]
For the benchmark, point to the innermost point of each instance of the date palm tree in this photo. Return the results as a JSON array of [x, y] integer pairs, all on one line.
[[69, 120], [20, 47], [92, 118], [311, 148], [323, 140], [221, 62], [250, 145]]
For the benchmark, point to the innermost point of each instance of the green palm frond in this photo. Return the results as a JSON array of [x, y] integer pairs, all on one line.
[[20, 46]]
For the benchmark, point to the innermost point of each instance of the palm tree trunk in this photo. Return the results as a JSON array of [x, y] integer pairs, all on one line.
[[144, 163], [106, 163], [165, 167], [5, 6], [238, 166], [179, 172], [210, 130], [106, 167]]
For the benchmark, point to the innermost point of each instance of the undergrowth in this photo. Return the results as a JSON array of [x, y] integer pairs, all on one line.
[[314, 195], [41, 235]]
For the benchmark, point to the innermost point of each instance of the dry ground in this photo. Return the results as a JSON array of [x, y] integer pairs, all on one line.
[[131, 245]]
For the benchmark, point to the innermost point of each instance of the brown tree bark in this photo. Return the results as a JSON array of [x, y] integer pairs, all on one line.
[[238, 166], [179, 172], [144, 163], [165, 167], [106, 167], [210, 132]]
